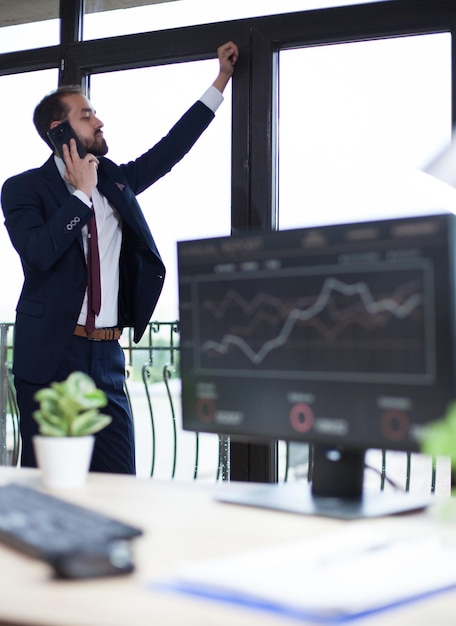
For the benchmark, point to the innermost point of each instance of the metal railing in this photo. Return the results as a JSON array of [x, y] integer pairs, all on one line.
[[9, 413], [3, 392], [164, 450], [153, 389]]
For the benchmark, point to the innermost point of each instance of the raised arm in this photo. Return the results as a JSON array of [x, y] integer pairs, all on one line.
[[228, 55]]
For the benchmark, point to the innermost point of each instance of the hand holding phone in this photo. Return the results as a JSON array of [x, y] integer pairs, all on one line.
[[82, 176], [62, 134]]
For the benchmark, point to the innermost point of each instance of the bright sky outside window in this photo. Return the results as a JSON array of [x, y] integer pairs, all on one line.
[[191, 12], [359, 126]]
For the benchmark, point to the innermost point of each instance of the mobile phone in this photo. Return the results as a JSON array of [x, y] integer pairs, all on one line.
[[62, 134]]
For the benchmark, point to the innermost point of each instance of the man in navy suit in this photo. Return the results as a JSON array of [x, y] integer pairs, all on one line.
[[47, 211]]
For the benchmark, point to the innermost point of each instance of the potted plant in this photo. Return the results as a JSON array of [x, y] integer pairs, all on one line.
[[68, 416]]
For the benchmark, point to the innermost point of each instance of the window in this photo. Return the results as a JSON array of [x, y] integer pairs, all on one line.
[[333, 165], [177, 13], [193, 201], [359, 126], [23, 27]]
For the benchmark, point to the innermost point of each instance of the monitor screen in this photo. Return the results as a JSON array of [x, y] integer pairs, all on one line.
[[341, 336]]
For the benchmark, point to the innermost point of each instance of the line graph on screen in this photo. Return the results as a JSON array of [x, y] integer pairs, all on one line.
[[340, 322]]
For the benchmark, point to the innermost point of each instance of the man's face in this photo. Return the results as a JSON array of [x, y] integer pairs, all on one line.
[[86, 124]]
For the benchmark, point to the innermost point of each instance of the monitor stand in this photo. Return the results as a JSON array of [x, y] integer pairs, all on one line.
[[336, 491]]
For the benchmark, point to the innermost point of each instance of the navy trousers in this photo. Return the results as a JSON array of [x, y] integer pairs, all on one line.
[[104, 362]]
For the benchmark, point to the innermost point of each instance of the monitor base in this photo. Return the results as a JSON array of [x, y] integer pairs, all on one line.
[[298, 498]]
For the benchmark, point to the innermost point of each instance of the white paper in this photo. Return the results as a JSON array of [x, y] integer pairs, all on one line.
[[344, 573]]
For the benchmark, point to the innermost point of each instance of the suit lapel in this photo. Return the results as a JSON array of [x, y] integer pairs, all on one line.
[[121, 197], [54, 181]]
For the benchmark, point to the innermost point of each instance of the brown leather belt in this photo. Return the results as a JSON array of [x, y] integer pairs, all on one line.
[[99, 334]]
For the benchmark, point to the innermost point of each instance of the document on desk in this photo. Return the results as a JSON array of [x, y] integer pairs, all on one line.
[[331, 578]]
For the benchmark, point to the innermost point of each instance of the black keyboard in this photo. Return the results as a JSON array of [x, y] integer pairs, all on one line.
[[49, 528]]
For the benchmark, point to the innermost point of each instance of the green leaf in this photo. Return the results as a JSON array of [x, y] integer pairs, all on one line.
[[71, 407], [48, 417], [89, 422], [47, 428], [82, 390]]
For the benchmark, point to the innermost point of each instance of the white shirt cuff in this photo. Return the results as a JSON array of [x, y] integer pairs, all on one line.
[[82, 196], [212, 98]]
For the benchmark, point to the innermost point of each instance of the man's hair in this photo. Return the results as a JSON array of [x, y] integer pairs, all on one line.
[[53, 108]]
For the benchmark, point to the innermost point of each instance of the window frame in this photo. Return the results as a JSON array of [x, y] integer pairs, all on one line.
[[254, 96]]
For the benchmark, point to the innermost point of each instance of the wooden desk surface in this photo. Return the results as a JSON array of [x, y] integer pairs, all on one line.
[[181, 521]]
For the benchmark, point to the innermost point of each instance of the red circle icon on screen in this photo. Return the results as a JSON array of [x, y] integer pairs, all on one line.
[[205, 410], [301, 417], [395, 424]]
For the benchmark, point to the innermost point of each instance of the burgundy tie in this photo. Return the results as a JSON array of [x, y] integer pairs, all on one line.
[[93, 275]]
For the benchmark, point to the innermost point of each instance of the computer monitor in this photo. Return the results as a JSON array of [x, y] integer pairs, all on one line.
[[341, 336]]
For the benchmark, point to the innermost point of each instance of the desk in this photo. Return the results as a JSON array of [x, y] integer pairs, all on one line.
[[181, 521]]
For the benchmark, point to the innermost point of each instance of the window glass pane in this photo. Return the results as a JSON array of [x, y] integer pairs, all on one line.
[[22, 149], [23, 27], [176, 13], [359, 126], [194, 199]]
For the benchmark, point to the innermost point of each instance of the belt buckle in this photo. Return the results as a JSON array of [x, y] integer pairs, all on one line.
[[91, 338], [108, 334]]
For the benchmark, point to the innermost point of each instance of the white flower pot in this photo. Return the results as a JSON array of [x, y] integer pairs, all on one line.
[[64, 461]]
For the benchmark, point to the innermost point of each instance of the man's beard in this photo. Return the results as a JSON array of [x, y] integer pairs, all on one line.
[[98, 147]]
